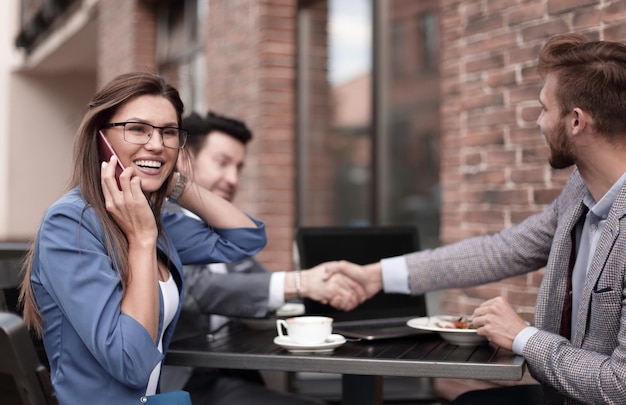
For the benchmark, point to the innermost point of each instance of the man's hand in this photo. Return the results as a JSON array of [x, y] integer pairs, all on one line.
[[337, 290], [498, 322], [368, 276]]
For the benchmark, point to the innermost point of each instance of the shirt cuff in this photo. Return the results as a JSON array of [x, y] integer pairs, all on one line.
[[276, 297], [522, 338], [395, 274]]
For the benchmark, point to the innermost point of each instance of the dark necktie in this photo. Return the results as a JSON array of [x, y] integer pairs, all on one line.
[[566, 316]]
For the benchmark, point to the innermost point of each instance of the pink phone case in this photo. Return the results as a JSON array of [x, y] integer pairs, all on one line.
[[106, 151]]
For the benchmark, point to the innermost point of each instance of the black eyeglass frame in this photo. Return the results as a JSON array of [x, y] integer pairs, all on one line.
[[182, 133]]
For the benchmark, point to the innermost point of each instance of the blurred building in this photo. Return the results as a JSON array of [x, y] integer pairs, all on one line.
[[364, 111]]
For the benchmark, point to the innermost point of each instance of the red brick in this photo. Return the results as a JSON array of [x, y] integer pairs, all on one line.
[[482, 100], [523, 298], [537, 154], [496, 42], [517, 217], [616, 32], [484, 216], [470, 10], [528, 175], [545, 30], [537, 277], [523, 281], [529, 114], [562, 6], [525, 54], [489, 62], [560, 176], [586, 18], [614, 12], [484, 23], [505, 77], [487, 176], [546, 196], [527, 136], [526, 13], [483, 136], [530, 75], [479, 118], [511, 197], [499, 5], [496, 158], [484, 292], [471, 158]]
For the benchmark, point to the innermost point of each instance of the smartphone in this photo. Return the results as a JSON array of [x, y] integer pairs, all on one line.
[[106, 151]]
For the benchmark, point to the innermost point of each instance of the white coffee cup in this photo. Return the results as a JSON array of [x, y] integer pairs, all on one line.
[[308, 330]]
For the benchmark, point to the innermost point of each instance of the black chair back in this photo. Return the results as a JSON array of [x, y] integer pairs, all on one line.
[[23, 379]]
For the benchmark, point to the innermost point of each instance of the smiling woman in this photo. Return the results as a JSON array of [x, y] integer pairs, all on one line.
[[131, 135], [104, 273]]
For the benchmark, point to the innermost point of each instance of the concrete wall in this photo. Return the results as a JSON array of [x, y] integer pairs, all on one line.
[[44, 114], [8, 24]]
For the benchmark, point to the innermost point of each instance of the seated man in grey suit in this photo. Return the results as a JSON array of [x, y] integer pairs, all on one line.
[[217, 147]]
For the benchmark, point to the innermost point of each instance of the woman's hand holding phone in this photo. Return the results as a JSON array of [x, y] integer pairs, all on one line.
[[126, 202]]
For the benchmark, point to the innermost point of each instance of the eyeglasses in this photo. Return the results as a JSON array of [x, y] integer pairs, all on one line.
[[140, 133]]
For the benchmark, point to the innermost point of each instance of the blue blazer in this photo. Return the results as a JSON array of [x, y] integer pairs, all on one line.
[[97, 354]]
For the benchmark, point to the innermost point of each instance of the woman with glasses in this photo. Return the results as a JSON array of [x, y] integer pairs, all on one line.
[[103, 281]]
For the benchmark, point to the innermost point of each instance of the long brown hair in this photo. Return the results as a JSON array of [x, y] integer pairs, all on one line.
[[591, 75], [86, 174]]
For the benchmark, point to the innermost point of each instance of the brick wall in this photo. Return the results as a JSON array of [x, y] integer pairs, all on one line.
[[250, 49], [319, 141], [126, 38], [494, 171]]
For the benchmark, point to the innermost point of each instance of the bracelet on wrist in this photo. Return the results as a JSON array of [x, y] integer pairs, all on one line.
[[298, 284], [181, 181]]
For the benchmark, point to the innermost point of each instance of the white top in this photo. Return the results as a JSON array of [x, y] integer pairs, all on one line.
[[170, 304]]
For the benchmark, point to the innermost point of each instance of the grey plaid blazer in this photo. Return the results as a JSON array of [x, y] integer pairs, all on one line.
[[592, 367]]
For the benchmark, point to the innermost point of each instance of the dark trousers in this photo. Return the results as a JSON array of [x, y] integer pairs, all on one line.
[[513, 395], [237, 387]]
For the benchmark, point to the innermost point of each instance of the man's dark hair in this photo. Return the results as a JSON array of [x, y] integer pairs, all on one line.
[[199, 128], [195, 125], [233, 127]]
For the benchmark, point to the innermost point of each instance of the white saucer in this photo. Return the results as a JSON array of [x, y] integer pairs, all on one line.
[[329, 345]]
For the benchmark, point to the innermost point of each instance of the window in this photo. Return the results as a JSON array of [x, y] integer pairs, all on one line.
[[398, 51], [368, 131], [428, 24], [180, 51]]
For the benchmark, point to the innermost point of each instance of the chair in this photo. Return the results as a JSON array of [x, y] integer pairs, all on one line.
[[23, 379], [11, 256], [362, 245]]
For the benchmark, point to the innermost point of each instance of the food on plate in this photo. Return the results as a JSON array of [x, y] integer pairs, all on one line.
[[458, 323]]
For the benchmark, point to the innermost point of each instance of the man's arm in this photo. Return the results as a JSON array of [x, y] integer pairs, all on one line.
[[244, 291], [230, 294]]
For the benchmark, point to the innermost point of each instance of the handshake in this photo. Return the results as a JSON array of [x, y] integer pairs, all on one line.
[[342, 284]]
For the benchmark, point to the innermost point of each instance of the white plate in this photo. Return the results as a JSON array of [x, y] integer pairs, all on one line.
[[286, 311], [333, 341], [290, 309], [437, 323]]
